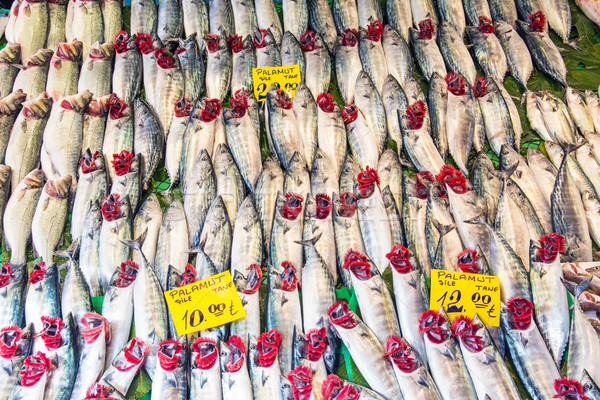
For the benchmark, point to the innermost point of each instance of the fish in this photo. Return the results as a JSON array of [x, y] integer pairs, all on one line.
[[96, 70], [518, 57], [169, 88], [9, 58], [171, 377], [267, 49], [32, 366], [460, 120], [16, 346], [320, 18], [195, 20], [362, 139], [118, 376], [127, 76], [127, 178], [42, 296], [63, 75], [369, 101], [427, 53], [148, 141], [218, 66], [244, 18], [216, 235], [371, 52], [174, 143], [57, 16], [119, 134], [197, 200], [264, 366], [112, 15], [33, 74], [579, 110], [116, 226], [12, 300], [169, 21], [144, 17], [455, 53], [505, 11], [229, 181], [487, 48], [148, 219], [248, 283], [205, 374], [416, 138], [173, 243], [422, 10], [345, 15], [318, 63], [88, 24], [235, 378], [348, 63], [496, 115], [295, 17], [452, 11], [31, 27], [243, 60]]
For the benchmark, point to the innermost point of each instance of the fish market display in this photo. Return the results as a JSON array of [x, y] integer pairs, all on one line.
[[137, 158]]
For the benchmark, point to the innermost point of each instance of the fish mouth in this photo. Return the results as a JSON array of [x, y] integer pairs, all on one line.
[[455, 84], [34, 368], [164, 59], [35, 180], [9, 340], [431, 323], [134, 354], [367, 180], [537, 22], [521, 311], [486, 25], [253, 278], [569, 389], [37, 273], [5, 272], [292, 207], [399, 259], [289, 277], [375, 31], [51, 332], [239, 104], [332, 386], [467, 261], [236, 43], [349, 113], [168, 354], [324, 205], [110, 209], [347, 205], [237, 354], [416, 114], [308, 42], [340, 315], [268, 348], [399, 353], [183, 108], [259, 38], [285, 101], [120, 44], [126, 274], [88, 161], [207, 353], [325, 102], [144, 43], [189, 275], [116, 106], [423, 180], [454, 179], [550, 247], [349, 38], [358, 264], [122, 163], [426, 29], [97, 391], [317, 344], [301, 380], [212, 109], [212, 42], [464, 328], [480, 88], [94, 325]]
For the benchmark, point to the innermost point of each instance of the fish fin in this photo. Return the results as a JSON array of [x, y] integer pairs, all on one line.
[[448, 353], [309, 242], [70, 252], [524, 340], [137, 243], [422, 381]]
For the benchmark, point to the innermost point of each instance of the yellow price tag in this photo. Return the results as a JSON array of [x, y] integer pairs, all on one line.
[[285, 78], [466, 294], [205, 304]]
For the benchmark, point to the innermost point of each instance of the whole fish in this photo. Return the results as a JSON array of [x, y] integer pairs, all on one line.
[[362, 139], [545, 276], [16, 346], [243, 60], [127, 78], [92, 356], [148, 141], [398, 56], [173, 243], [544, 52], [169, 88], [57, 18], [331, 136], [485, 364], [127, 178], [348, 64], [119, 133], [528, 349], [295, 17], [148, 45], [93, 187], [455, 53], [267, 50], [235, 378], [460, 116], [42, 298], [218, 66], [416, 139], [367, 351], [372, 54], [96, 71], [220, 17], [89, 253], [216, 235], [283, 310], [579, 110], [205, 374], [412, 376], [559, 122], [427, 53], [144, 17], [229, 181], [169, 22], [88, 24], [488, 50], [174, 145], [350, 170], [264, 365], [321, 21], [18, 216], [518, 58], [496, 115], [33, 75], [369, 101], [150, 308], [282, 126], [31, 27], [198, 198], [12, 301], [9, 58], [63, 75], [171, 377], [452, 11], [50, 217], [318, 63], [116, 226], [117, 309], [195, 20]]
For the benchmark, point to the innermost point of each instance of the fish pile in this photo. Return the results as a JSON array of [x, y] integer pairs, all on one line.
[[394, 182]]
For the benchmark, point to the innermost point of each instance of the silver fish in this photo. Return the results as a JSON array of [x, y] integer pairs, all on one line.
[[427, 53], [372, 54], [88, 25], [116, 226], [455, 53], [244, 18], [9, 57], [144, 17], [216, 235], [148, 140], [119, 133], [235, 378], [169, 383], [267, 50], [174, 145], [112, 15], [518, 58], [269, 183], [488, 50], [148, 219], [169, 22], [452, 11], [32, 77], [218, 66], [127, 78], [63, 75], [31, 27], [120, 373], [195, 20], [321, 20], [347, 65], [96, 71], [173, 243]]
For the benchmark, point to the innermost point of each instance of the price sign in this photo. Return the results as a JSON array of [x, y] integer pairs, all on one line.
[[205, 304], [285, 78], [466, 294]]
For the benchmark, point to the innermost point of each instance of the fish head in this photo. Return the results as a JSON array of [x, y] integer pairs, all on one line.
[[433, 324], [341, 317], [323, 205], [10, 337], [58, 188], [358, 264], [316, 340], [308, 42], [50, 334], [301, 379], [35, 367], [349, 38], [267, 347], [292, 206], [400, 259], [366, 183], [400, 354], [346, 204], [519, 312], [233, 354], [95, 326], [12, 103], [207, 353], [169, 354], [126, 274], [132, 355], [91, 162], [467, 261], [466, 330]]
